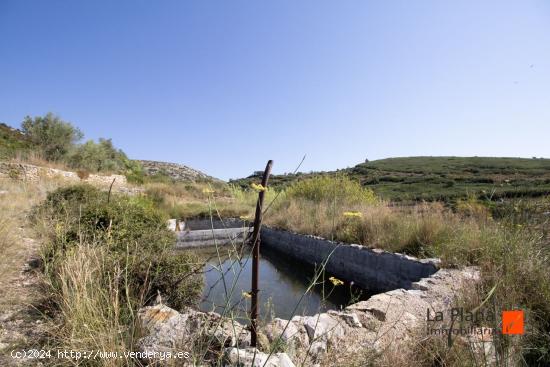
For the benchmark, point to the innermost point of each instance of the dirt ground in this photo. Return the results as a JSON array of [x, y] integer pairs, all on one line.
[[22, 312]]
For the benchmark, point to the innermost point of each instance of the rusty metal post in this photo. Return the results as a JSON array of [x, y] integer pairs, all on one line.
[[256, 256]]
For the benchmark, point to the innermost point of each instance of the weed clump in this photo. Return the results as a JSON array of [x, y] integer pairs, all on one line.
[[339, 190]]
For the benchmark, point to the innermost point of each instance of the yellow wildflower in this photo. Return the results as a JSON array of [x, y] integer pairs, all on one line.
[[258, 187], [247, 295], [335, 281], [207, 191], [244, 217], [353, 214]]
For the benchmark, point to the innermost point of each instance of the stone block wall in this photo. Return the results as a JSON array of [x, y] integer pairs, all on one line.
[[371, 269], [31, 173]]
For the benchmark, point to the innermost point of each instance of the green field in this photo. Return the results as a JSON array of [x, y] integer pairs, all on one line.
[[441, 178]]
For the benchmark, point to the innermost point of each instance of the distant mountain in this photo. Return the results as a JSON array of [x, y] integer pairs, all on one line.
[[439, 178], [175, 171]]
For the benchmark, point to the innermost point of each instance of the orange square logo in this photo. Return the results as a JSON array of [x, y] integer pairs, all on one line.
[[512, 322]]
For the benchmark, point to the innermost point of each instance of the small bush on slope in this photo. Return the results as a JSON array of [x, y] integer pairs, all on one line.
[[337, 190]]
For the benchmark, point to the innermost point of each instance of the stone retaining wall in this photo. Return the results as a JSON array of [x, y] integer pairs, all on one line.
[[29, 172], [371, 269]]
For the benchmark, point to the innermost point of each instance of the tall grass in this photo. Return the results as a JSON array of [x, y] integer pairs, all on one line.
[[94, 316], [36, 158]]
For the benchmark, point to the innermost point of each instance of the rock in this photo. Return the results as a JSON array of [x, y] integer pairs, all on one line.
[[384, 320], [253, 357], [366, 306], [172, 223], [290, 332], [318, 348], [350, 318], [322, 326], [169, 330], [177, 172], [226, 332], [421, 285]]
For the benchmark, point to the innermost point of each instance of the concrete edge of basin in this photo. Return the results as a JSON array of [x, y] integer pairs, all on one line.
[[372, 269]]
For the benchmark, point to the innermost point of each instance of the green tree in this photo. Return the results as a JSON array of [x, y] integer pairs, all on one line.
[[97, 157], [53, 136], [101, 157]]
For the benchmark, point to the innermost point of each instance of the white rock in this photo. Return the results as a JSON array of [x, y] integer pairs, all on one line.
[[322, 326], [168, 328], [251, 357], [285, 329], [172, 224]]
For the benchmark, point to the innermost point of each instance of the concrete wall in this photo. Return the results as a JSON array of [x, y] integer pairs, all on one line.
[[374, 270], [206, 223], [211, 237]]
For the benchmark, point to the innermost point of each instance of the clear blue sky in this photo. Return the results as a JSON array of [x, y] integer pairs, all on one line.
[[223, 86]]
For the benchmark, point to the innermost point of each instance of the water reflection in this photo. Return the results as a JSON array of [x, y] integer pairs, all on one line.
[[283, 285]]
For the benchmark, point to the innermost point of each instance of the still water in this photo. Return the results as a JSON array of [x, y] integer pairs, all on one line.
[[283, 285]]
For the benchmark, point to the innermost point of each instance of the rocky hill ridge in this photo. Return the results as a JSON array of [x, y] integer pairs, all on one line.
[[176, 171]]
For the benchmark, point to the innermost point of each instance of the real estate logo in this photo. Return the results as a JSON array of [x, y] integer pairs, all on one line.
[[512, 322], [458, 321]]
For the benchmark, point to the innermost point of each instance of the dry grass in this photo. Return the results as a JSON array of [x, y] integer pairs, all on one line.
[[15, 202], [424, 230], [188, 200], [90, 306], [35, 158]]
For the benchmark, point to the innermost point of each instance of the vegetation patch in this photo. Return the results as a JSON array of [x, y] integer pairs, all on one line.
[[12, 141], [510, 246], [439, 178], [104, 258]]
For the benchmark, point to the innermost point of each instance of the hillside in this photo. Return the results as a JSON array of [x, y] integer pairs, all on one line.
[[12, 141], [441, 178], [174, 171]]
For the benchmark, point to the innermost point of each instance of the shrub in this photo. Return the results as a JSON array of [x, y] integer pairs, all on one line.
[[473, 207], [82, 174], [338, 190], [102, 157], [133, 233], [135, 173]]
